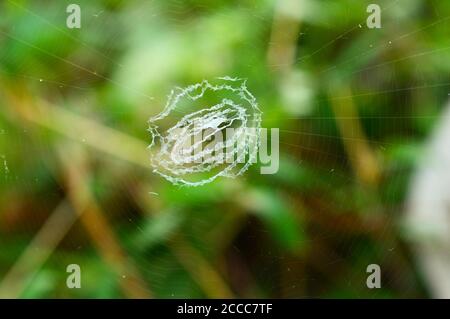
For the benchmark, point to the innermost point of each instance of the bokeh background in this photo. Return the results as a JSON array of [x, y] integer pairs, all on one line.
[[356, 109]]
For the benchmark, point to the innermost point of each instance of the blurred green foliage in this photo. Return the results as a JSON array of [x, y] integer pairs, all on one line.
[[354, 106]]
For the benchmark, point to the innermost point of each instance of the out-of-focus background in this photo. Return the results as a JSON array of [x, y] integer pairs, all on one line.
[[358, 110]]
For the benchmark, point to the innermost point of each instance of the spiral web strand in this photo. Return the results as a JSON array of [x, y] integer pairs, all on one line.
[[230, 129]]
